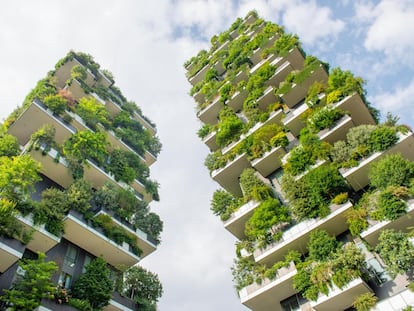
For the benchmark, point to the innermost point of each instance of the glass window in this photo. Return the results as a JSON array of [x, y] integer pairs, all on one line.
[[290, 304], [65, 279], [87, 261], [70, 258]]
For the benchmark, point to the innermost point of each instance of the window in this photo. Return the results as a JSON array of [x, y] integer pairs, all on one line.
[[70, 257], [65, 279], [87, 261], [291, 303]]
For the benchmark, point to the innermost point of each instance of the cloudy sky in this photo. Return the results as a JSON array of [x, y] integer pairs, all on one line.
[[145, 43]]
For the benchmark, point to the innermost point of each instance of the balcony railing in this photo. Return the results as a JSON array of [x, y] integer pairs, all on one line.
[[11, 251], [296, 237], [236, 223]]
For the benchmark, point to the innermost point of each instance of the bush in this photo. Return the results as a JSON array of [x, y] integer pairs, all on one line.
[[365, 302], [382, 138], [323, 118], [321, 246], [356, 218], [229, 128], [254, 188], [56, 103]]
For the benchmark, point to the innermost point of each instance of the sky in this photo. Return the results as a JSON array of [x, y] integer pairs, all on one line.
[[145, 43]]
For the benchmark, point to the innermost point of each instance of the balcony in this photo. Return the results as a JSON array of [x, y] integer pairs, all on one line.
[[200, 75], [228, 176], [144, 123], [270, 161], [297, 236], [337, 131], [294, 119], [199, 97], [256, 56], [120, 303], [295, 58], [145, 242], [53, 166], [272, 59], [76, 90], [341, 299], [357, 176], [280, 74], [79, 232], [11, 251], [35, 116], [63, 73], [42, 240], [299, 91], [267, 98], [274, 118], [358, 111], [396, 303], [375, 228], [104, 80], [149, 158], [210, 141], [237, 100], [236, 223], [268, 294], [210, 113]]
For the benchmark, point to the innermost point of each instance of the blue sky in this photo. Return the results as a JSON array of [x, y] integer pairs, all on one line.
[[145, 43]]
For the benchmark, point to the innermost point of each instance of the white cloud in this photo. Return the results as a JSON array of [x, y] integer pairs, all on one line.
[[313, 23], [390, 29]]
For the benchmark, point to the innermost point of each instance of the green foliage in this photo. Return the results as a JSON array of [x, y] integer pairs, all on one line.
[[343, 83], [396, 250], [389, 206], [356, 218], [321, 246], [340, 198], [56, 103], [229, 128], [392, 170], [9, 145], [17, 177], [78, 72], [95, 285], [127, 166], [9, 226], [79, 196], [311, 195], [205, 130], [312, 98], [151, 224], [365, 302], [324, 118], [142, 286], [223, 204], [254, 188], [85, 145], [264, 139], [267, 220], [92, 112], [79, 304], [283, 45], [243, 271], [35, 284], [382, 138]]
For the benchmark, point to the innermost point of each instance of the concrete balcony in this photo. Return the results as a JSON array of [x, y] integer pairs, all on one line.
[[11, 251], [144, 123], [267, 98], [358, 111], [199, 97], [228, 176], [42, 240], [63, 73], [267, 295], [240, 76], [237, 221], [272, 59], [295, 58], [294, 119], [297, 236], [145, 242], [53, 166], [280, 74], [357, 176], [256, 55], [104, 80], [120, 303], [270, 161], [210, 141], [79, 232], [34, 117], [149, 158], [341, 299], [337, 131], [76, 90], [396, 303], [237, 100], [375, 228], [274, 118], [199, 76], [210, 113], [299, 91]]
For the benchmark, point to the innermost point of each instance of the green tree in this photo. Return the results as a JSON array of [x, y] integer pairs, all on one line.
[[9, 145], [392, 170], [151, 224], [222, 203], [143, 287], [17, 176], [9, 226], [56, 103], [92, 112], [35, 284], [79, 196], [321, 245], [95, 285], [396, 250], [85, 145]]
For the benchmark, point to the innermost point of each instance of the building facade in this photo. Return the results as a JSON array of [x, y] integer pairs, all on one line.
[[307, 175], [91, 150]]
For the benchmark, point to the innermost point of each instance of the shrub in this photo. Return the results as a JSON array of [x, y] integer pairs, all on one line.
[[56, 103], [323, 118], [321, 246], [382, 138], [392, 170], [365, 302], [390, 207], [222, 203], [340, 198], [356, 218], [253, 188], [229, 128]]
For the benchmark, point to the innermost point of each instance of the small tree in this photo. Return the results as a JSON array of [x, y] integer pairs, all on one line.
[[365, 302], [143, 287], [32, 286], [396, 250], [321, 246], [92, 112], [95, 285], [9, 145]]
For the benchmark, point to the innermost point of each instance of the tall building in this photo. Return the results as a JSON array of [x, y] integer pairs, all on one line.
[[318, 193], [77, 155]]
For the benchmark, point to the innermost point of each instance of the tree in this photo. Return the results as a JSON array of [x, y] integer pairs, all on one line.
[[396, 250], [151, 224], [35, 284], [56, 102], [9, 226], [92, 112], [321, 245], [95, 285], [79, 196], [392, 170], [222, 202], [143, 287], [17, 176], [8, 145]]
